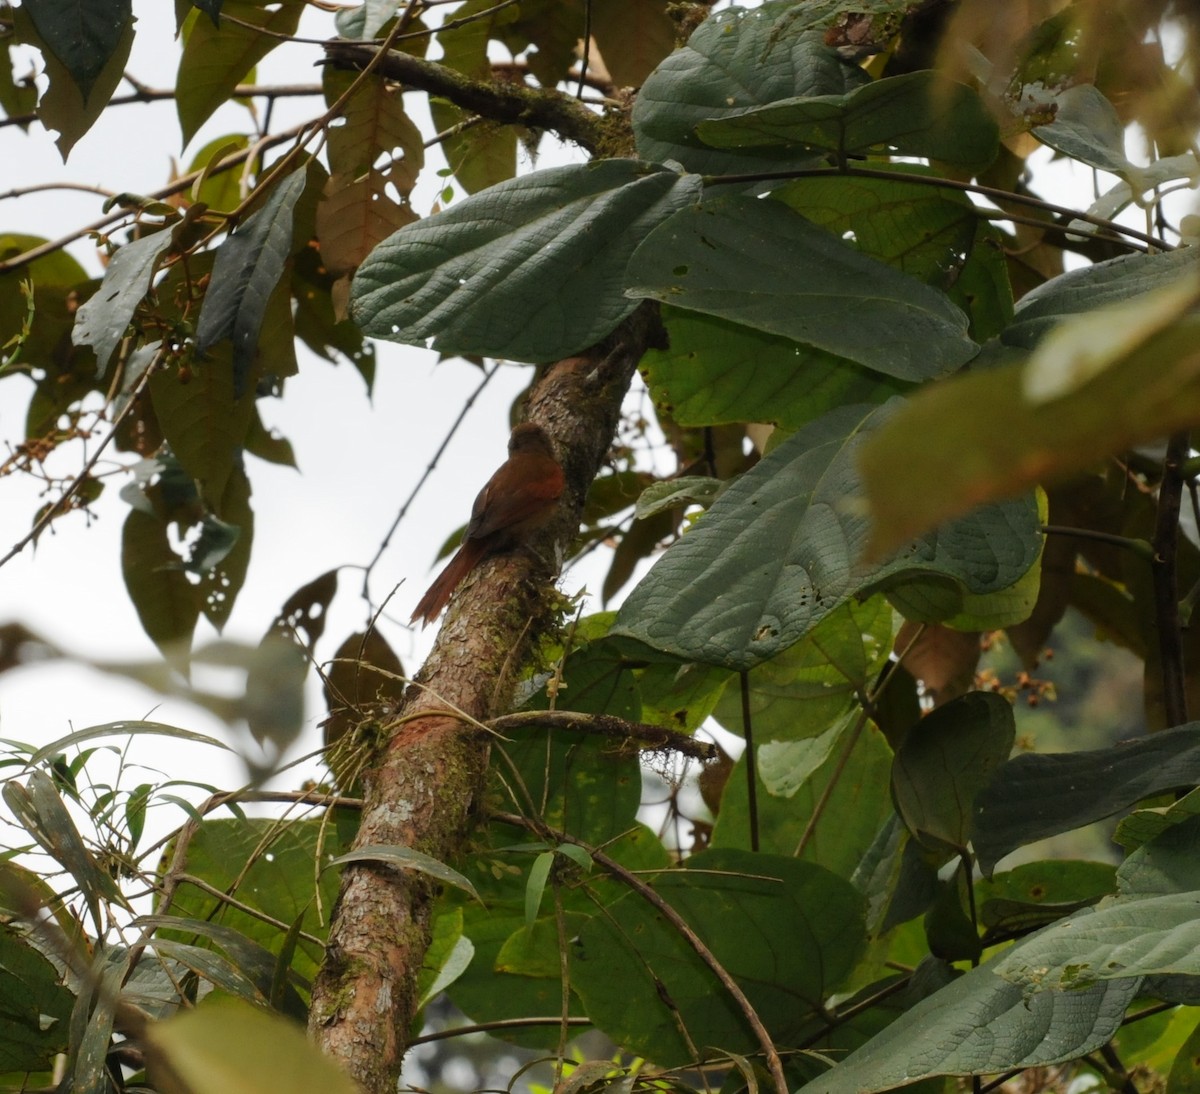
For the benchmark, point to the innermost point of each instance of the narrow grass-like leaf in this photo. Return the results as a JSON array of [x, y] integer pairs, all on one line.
[[405, 858]]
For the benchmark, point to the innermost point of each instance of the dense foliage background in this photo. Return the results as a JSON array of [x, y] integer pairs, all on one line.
[[829, 218]]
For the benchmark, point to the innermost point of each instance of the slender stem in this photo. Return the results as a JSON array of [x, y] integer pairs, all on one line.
[[751, 764], [429, 469], [144, 94], [499, 1025], [1166, 580], [1138, 546]]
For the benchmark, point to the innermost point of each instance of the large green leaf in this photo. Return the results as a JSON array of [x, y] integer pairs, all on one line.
[[34, 1006], [917, 114], [856, 807], [1034, 796], [936, 236], [248, 266], [235, 1048], [82, 34], [980, 1024], [1087, 127], [781, 549], [203, 421], [716, 371], [218, 55], [270, 868], [810, 685], [943, 763], [64, 106], [798, 930], [1092, 287], [761, 264], [1123, 938], [166, 602], [531, 270], [736, 59]]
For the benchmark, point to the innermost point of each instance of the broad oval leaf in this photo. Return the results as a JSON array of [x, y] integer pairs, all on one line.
[[799, 929], [917, 114], [82, 34], [782, 548], [981, 1024], [1093, 287], [219, 54], [943, 763], [1034, 796], [736, 59], [759, 263], [531, 270], [1157, 935]]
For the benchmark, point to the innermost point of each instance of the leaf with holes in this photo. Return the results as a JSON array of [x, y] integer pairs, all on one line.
[[782, 548]]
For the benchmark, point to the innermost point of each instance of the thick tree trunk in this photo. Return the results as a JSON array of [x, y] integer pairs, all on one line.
[[425, 788]]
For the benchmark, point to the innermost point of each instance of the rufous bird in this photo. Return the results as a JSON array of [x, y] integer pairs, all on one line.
[[517, 500]]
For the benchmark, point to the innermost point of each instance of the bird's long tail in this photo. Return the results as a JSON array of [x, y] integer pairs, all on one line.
[[438, 595]]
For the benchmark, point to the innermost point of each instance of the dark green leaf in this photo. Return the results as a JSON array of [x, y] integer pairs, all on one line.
[[735, 59], [232, 855], [166, 602], [936, 236], [34, 1006], [1122, 938], [82, 34], [799, 930], [1091, 287], [219, 54], [981, 1024], [917, 114], [249, 264], [780, 550], [716, 371], [1169, 863], [1034, 796], [944, 762], [761, 264], [847, 820], [529, 270], [101, 322]]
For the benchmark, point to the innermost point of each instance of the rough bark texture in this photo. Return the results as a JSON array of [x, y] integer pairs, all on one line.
[[425, 788]]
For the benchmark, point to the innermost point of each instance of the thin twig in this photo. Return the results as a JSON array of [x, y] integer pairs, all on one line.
[[429, 469], [180, 184], [59, 507], [143, 94], [751, 764]]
